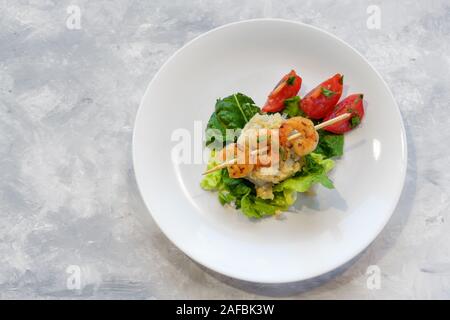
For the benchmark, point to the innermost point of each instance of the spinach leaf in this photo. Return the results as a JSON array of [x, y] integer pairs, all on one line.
[[232, 112], [330, 144]]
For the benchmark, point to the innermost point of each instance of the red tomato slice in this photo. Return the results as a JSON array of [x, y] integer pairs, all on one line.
[[288, 87], [321, 100], [352, 104]]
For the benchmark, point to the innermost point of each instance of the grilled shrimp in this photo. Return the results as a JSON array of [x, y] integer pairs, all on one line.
[[243, 166], [264, 140], [304, 144]]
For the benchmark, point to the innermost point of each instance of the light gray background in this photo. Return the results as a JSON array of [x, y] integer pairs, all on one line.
[[68, 99]]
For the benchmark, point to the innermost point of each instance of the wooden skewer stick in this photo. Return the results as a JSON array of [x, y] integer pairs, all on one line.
[[233, 161], [292, 137], [323, 125], [332, 121]]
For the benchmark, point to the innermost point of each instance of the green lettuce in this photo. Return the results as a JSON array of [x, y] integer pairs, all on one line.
[[213, 180], [314, 171], [254, 207]]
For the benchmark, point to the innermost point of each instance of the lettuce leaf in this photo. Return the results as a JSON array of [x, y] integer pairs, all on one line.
[[226, 197], [212, 181], [254, 207], [314, 171]]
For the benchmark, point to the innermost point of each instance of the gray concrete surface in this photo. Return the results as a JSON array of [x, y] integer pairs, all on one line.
[[68, 97]]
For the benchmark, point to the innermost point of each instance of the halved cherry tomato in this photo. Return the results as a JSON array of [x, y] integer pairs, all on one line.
[[288, 87], [320, 101], [352, 104]]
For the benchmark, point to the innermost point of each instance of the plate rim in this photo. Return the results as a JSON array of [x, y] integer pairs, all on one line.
[[349, 257]]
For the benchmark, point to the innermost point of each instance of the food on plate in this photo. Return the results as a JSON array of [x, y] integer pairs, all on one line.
[[230, 113], [261, 159], [286, 88], [352, 104], [309, 136], [320, 101]]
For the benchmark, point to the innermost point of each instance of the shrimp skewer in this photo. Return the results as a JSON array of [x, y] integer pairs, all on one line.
[[289, 138], [241, 166], [234, 161], [306, 142]]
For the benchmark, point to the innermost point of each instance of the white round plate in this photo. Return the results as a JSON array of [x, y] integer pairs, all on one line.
[[326, 230]]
